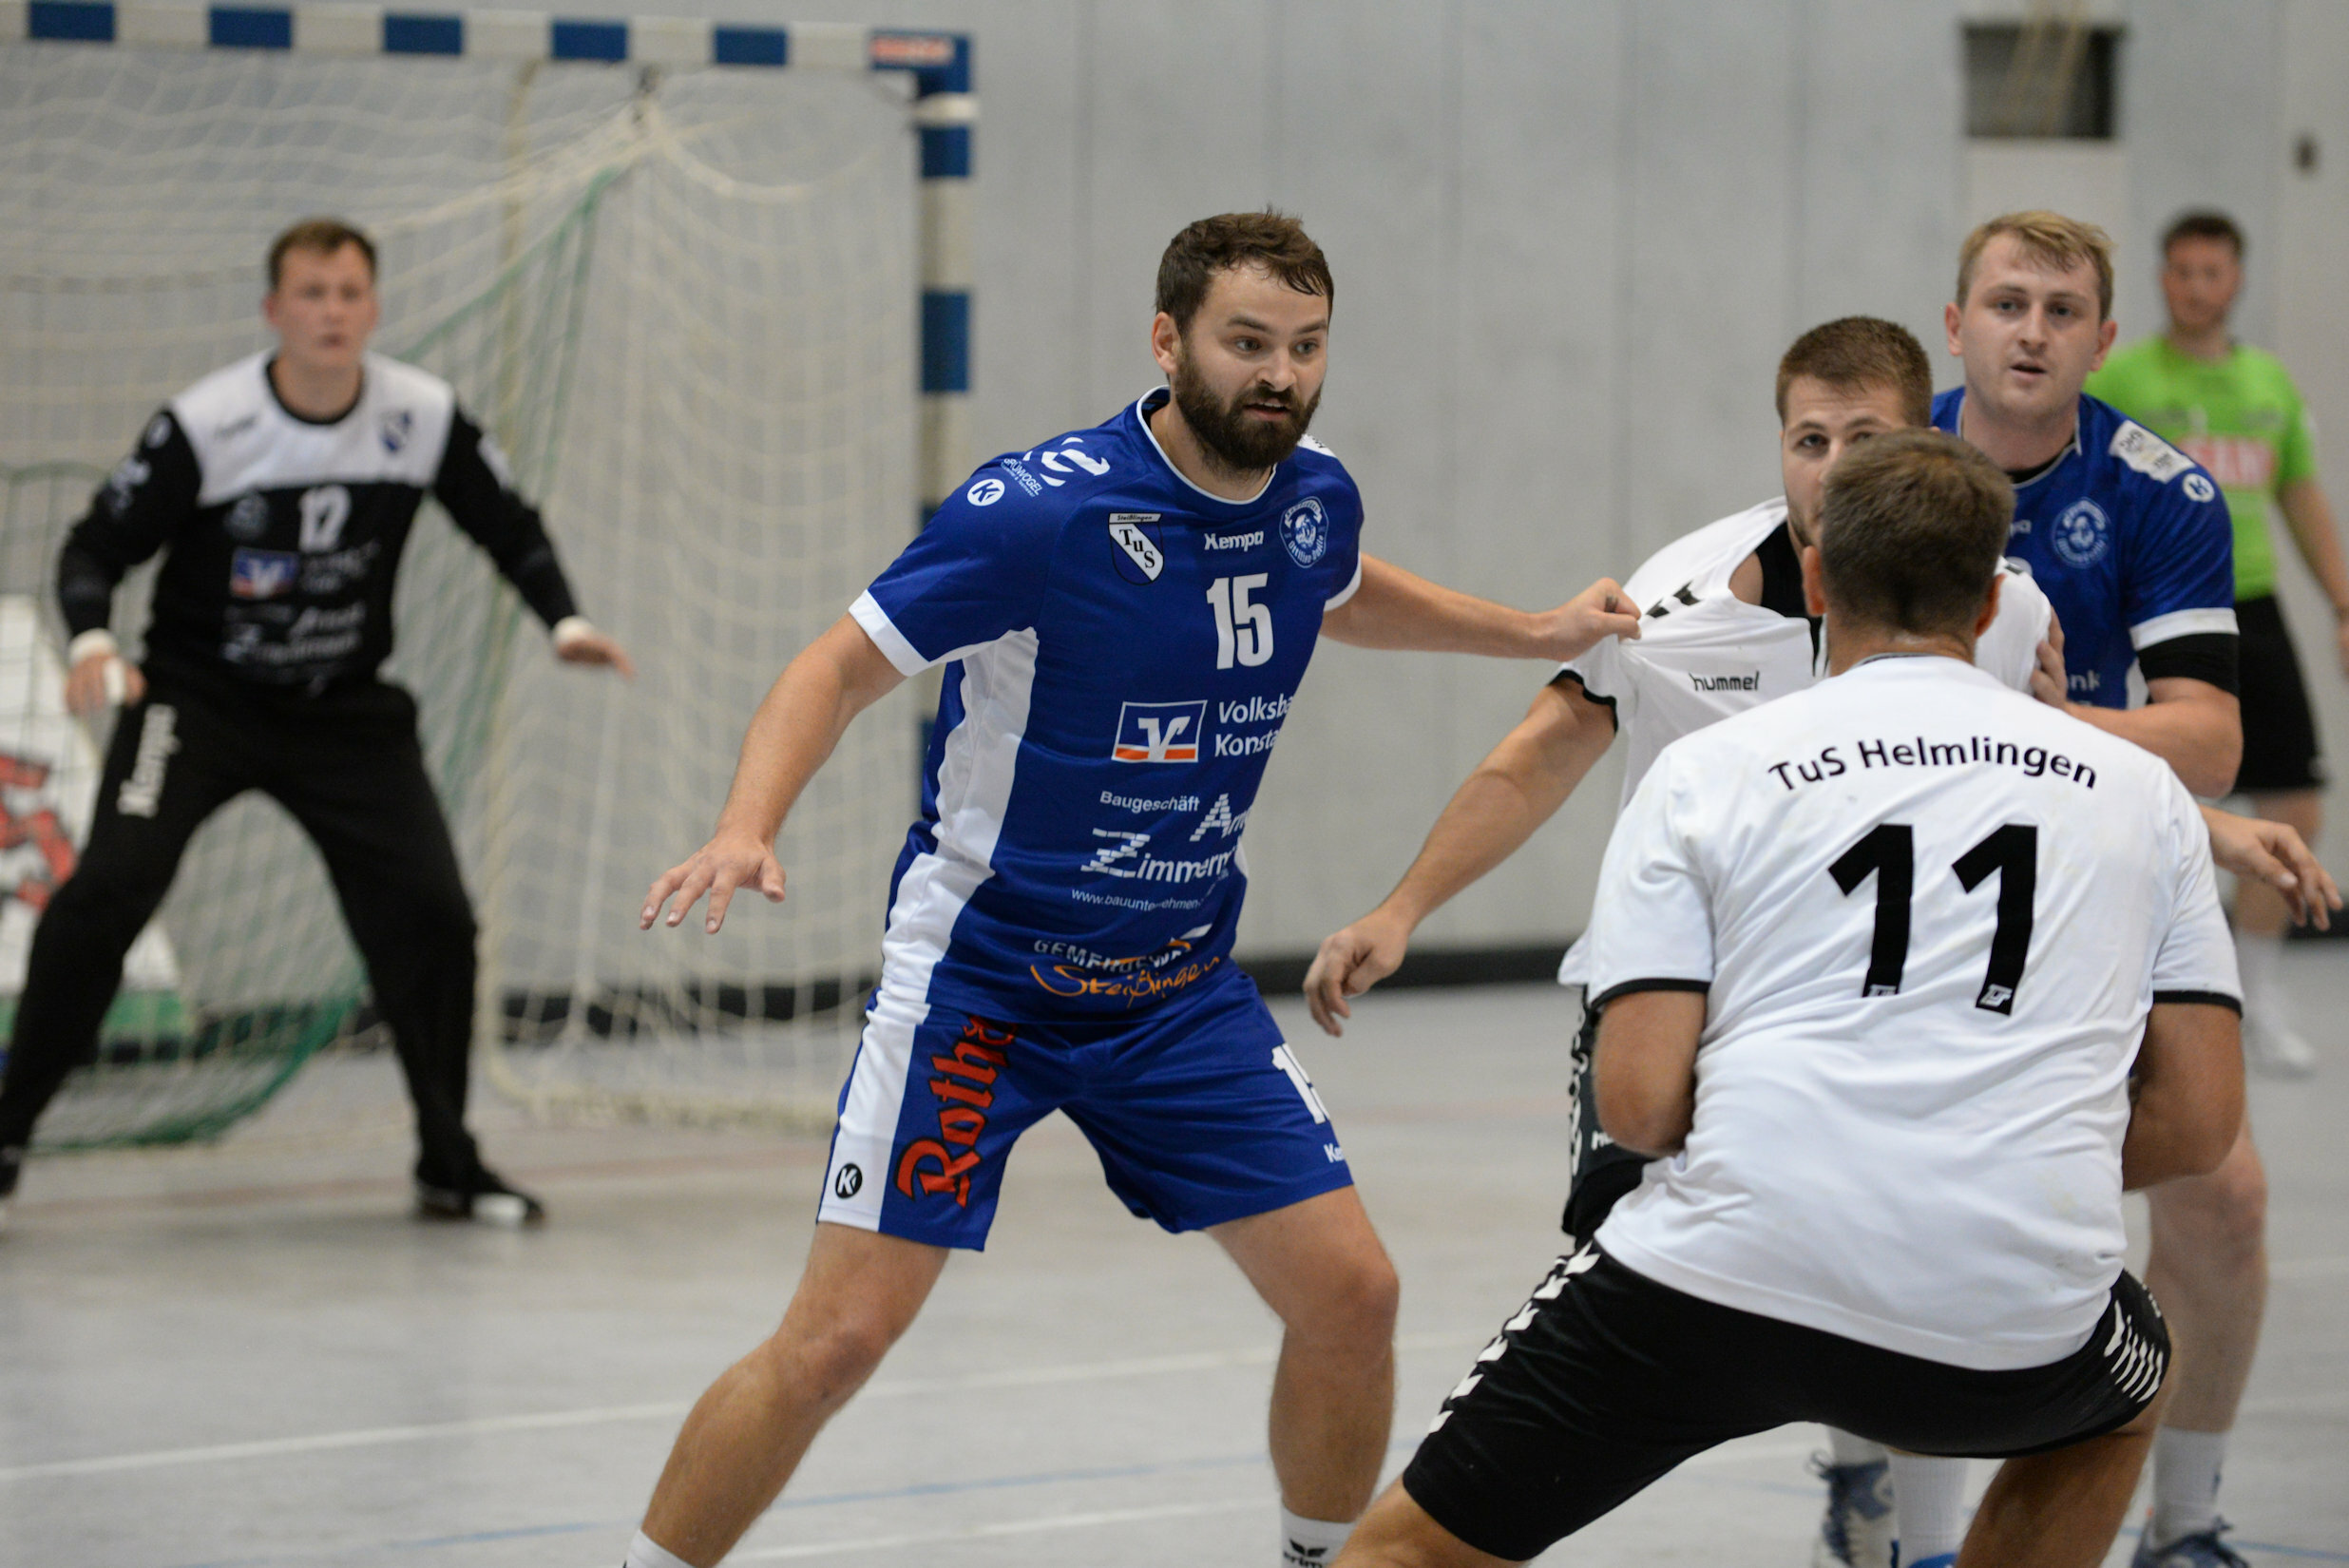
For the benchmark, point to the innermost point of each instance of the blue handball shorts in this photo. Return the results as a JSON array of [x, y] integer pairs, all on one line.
[[1197, 1107]]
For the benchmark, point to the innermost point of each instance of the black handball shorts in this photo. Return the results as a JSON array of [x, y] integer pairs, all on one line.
[[2280, 752], [1606, 1380], [1602, 1170]]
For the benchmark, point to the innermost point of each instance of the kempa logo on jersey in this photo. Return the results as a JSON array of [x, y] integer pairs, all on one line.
[[1139, 557], [1233, 541], [1158, 731], [2083, 534], [964, 1092], [1304, 531], [1725, 682]]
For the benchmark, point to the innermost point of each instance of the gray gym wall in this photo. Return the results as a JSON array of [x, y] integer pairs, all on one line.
[[1571, 238]]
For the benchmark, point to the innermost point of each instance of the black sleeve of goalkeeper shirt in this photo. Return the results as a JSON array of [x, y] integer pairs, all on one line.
[[146, 500], [476, 486]]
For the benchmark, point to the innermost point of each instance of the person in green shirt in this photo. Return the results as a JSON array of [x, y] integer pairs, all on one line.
[[2233, 409]]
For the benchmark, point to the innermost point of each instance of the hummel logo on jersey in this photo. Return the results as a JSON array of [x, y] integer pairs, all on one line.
[[262, 574], [1136, 535], [1158, 731]]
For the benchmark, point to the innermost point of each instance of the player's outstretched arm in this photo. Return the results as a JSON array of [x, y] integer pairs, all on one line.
[[1394, 608], [1514, 791], [2275, 853], [2188, 1089], [805, 712], [1644, 1075]]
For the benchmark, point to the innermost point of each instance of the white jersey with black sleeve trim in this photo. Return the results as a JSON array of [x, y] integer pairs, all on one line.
[[1703, 653], [1929, 916]]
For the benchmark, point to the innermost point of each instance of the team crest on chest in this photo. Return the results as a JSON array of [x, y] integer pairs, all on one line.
[[1138, 556], [397, 427], [248, 519], [1304, 531], [2082, 533]]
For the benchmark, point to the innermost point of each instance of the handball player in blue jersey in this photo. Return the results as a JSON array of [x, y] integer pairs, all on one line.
[[2130, 540], [1124, 613]]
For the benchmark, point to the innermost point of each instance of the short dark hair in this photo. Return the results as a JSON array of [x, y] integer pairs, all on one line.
[[2202, 224], [324, 235], [1862, 350], [1271, 239], [1911, 530]]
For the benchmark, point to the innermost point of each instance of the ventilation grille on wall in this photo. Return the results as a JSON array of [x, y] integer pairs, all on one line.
[[2050, 76]]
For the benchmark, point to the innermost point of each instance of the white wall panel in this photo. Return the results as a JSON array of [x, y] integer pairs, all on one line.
[[1572, 238]]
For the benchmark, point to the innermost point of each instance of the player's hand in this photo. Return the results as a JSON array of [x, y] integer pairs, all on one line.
[[721, 868], [103, 680], [2340, 636], [1350, 962], [1601, 610], [2273, 853], [2048, 682], [595, 648]]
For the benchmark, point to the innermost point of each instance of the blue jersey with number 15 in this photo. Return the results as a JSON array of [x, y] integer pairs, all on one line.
[[1122, 649]]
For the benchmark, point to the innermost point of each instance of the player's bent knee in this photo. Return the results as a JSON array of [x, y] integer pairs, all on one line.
[[1356, 1306], [1398, 1533], [2223, 1214], [827, 1361]]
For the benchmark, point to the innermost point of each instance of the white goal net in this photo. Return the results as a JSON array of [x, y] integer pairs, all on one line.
[[685, 303]]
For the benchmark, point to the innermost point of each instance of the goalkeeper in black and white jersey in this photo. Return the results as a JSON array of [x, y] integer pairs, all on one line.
[[280, 492]]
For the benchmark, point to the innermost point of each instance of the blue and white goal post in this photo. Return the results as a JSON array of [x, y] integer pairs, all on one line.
[[938, 63], [675, 267]]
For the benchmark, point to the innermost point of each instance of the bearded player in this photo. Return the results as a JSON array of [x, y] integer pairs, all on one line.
[[1124, 613]]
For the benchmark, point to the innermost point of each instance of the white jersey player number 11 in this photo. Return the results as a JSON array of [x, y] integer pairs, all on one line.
[[1890, 852], [1243, 631]]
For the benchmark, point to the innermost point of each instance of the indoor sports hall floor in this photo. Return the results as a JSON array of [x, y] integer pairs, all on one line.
[[251, 1355]]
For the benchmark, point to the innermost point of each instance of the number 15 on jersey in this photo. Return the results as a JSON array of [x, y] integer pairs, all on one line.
[[1243, 631]]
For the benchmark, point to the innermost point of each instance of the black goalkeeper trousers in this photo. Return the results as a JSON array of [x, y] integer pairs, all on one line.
[[348, 766]]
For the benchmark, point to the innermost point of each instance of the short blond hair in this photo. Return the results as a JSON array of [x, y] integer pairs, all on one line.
[[2049, 238]]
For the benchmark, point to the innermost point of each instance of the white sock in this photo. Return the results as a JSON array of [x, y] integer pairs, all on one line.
[[2257, 960], [1846, 1449], [2185, 1484], [644, 1552], [1930, 1495], [1310, 1542]]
